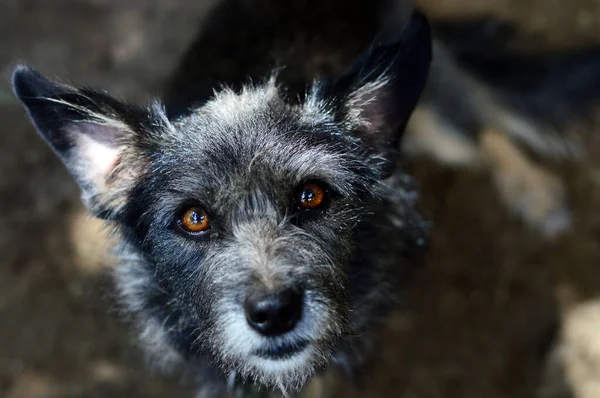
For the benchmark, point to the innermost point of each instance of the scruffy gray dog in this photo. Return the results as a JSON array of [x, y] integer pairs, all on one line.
[[263, 236]]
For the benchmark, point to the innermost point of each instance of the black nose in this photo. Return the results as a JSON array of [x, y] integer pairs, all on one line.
[[274, 313]]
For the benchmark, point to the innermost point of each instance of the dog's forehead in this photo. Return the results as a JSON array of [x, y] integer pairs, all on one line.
[[255, 133]]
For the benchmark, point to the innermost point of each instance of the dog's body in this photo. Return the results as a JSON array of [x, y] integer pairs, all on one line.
[[483, 103], [243, 39], [265, 228], [485, 100]]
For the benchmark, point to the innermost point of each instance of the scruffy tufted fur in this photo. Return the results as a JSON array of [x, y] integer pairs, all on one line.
[[242, 154]]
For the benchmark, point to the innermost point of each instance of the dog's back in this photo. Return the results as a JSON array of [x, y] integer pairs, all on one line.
[[485, 97], [243, 38], [480, 81]]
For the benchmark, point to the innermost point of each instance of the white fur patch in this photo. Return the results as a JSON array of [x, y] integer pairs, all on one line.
[[239, 344], [100, 158]]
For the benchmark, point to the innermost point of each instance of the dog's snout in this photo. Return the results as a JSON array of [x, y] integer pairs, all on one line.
[[274, 313]]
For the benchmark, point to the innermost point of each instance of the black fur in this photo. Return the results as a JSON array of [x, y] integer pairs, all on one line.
[[548, 92]]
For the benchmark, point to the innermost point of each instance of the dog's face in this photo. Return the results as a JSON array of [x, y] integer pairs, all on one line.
[[246, 210]]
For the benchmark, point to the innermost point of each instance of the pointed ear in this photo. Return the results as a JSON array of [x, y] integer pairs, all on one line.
[[89, 131], [381, 89]]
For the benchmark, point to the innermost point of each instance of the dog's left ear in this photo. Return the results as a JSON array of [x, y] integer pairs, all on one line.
[[90, 131], [379, 92]]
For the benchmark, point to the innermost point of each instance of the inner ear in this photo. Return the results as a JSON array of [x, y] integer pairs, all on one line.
[[97, 149]]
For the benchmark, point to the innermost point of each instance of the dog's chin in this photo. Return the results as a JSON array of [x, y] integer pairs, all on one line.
[[286, 367]]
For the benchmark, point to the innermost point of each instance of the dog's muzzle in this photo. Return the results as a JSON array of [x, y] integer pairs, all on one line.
[[275, 313]]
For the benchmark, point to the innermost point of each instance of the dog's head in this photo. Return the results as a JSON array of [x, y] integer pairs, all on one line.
[[246, 210]]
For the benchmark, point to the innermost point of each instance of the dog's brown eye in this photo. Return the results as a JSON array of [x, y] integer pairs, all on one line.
[[194, 220], [312, 196]]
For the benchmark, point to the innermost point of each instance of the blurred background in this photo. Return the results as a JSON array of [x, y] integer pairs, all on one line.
[[501, 311]]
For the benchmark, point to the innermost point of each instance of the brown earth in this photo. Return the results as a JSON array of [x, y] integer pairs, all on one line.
[[480, 319]]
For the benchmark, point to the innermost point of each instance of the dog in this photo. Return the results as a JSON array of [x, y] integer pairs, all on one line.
[[263, 236]]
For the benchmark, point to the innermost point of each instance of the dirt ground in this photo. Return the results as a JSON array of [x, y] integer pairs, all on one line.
[[498, 312]]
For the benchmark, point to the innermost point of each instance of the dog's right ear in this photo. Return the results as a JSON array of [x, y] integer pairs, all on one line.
[[89, 131], [380, 91]]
